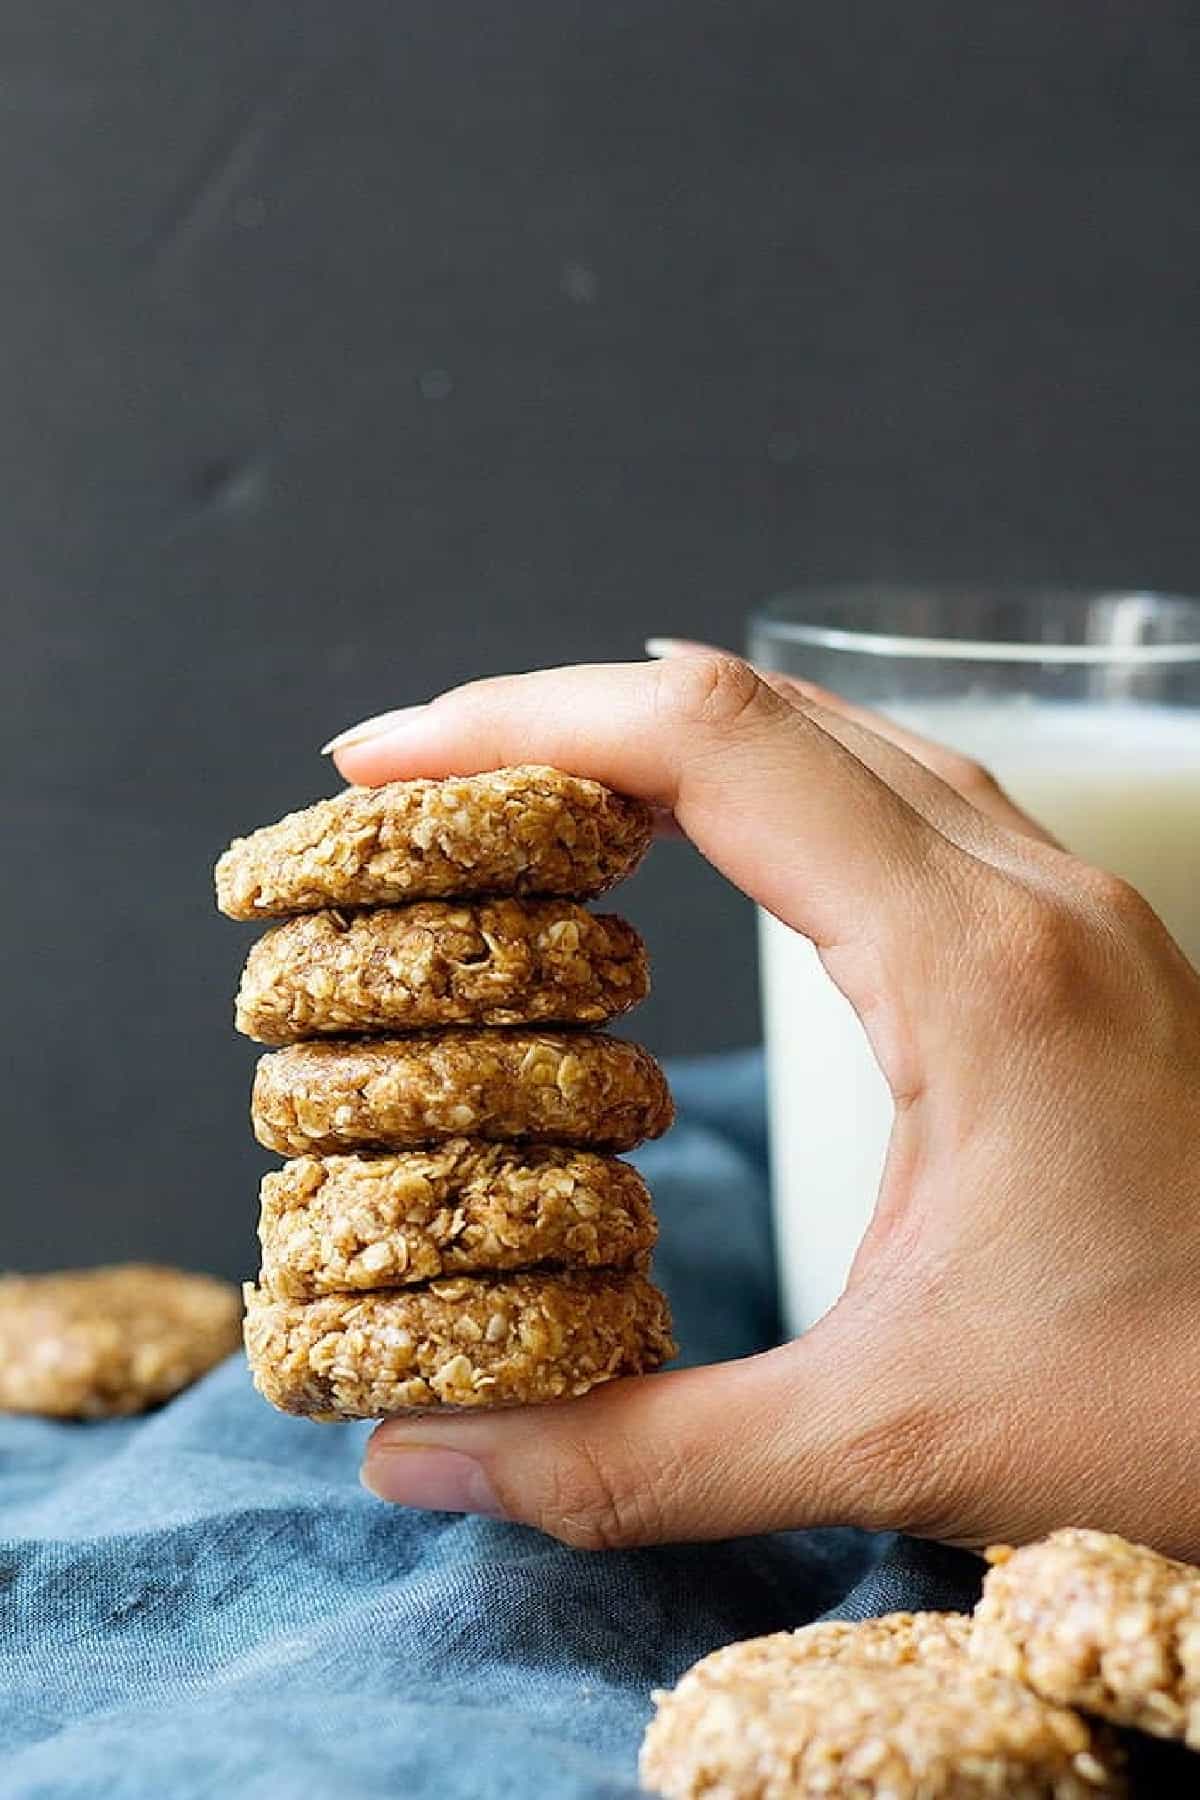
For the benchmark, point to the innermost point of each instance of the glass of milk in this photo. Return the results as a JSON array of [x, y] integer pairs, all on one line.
[[1087, 708]]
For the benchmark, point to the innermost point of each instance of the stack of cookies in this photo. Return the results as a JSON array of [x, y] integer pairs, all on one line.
[[453, 1228]]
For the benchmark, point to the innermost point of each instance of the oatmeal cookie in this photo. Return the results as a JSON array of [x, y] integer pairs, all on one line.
[[527, 830], [897, 1640], [913, 1731], [570, 1087], [341, 1224], [472, 1341], [438, 962], [1090, 1620], [94, 1343]]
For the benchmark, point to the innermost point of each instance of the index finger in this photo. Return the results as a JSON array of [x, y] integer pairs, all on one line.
[[771, 799], [963, 775]]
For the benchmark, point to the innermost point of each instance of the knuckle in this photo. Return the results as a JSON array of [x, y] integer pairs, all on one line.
[[712, 691], [1062, 943], [593, 1504], [971, 778], [1048, 948], [1066, 959], [1116, 899], [1030, 951]]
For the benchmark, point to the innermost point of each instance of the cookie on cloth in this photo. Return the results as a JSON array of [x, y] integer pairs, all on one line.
[[523, 830], [342, 1224], [378, 1093], [95, 1343], [765, 1727], [506, 1340], [896, 1639], [1092, 1621], [438, 962]]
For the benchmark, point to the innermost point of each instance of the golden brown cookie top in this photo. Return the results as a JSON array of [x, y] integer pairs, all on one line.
[[1091, 1620], [440, 962], [898, 1639], [917, 1731], [348, 1223], [567, 1087], [90, 1343], [523, 830]]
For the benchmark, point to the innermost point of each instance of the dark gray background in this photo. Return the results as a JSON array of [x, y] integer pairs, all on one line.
[[347, 350]]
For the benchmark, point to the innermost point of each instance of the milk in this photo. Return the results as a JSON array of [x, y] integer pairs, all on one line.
[[1120, 786]]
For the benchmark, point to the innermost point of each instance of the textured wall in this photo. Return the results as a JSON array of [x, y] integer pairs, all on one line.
[[348, 350]]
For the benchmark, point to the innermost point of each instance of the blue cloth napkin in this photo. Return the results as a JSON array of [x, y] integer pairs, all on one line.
[[204, 1602]]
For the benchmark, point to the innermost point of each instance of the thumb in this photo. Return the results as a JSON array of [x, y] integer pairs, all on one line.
[[799, 1436]]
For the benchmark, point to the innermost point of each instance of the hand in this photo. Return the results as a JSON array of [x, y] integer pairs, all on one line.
[[1019, 1344]]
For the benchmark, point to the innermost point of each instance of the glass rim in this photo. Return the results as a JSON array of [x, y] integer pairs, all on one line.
[[769, 616]]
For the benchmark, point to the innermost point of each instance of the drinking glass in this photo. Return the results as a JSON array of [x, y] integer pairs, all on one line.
[[1086, 706]]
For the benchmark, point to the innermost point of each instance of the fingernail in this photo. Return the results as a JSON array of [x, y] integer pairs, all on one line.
[[435, 1479], [673, 646], [379, 726]]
